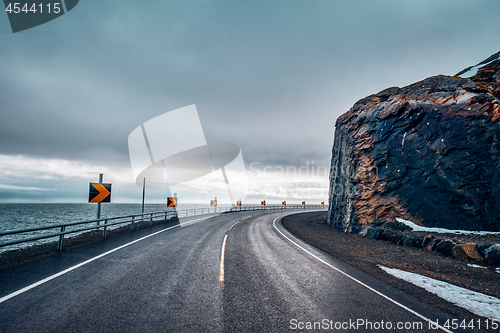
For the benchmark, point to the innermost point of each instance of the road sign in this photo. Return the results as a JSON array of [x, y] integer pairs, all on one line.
[[303, 203], [213, 203], [284, 203], [263, 203], [99, 192], [171, 202], [238, 203], [322, 203]]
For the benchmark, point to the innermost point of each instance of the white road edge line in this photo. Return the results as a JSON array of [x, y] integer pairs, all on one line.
[[52, 277], [361, 283]]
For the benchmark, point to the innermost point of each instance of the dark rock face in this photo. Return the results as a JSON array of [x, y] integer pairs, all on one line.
[[428, 153], [482, 248], [492, 255], [408, 240], [429, 243], [373, 233], [446, 247]]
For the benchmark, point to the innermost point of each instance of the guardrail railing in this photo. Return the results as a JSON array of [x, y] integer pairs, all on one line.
[[47, 231]]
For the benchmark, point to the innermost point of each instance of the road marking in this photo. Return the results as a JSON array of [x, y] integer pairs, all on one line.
[[245, 218], [361, 283], [222, 259], [222, 253], [232, 226], [52, 277]]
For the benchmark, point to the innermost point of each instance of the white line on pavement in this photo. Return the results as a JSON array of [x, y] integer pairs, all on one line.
[[52, 277], [361, 283]]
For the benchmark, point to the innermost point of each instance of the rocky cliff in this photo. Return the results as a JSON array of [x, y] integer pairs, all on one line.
[[428, 153]]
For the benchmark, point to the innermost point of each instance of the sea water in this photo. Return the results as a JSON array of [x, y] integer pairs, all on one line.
[[29, 215]]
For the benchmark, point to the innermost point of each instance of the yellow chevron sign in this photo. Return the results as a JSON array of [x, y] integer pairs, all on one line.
[[171, 202], [284, 203], [263, 203], [303, 203], [238, 203], [213, 203], [322, 203], [99, 192]]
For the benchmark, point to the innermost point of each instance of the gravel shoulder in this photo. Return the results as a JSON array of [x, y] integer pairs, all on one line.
[[365, 254]]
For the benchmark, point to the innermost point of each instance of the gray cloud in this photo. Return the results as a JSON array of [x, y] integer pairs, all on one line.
[[271, 76]]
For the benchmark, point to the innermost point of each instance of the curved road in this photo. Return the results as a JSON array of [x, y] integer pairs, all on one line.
[[238, 272]]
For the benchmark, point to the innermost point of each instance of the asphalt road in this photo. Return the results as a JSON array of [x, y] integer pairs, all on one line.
[[238, 272]]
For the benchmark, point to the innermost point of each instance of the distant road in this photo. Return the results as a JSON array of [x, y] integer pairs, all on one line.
[[237, 272]]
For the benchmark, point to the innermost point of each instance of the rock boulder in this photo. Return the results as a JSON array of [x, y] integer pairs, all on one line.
[[428, 153], [492, 255], [466, 252]]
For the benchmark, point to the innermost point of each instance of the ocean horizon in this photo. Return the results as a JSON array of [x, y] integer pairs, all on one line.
[[15, 216], [28, 215]]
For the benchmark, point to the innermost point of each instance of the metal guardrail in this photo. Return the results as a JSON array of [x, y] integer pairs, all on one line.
[[124, 220]]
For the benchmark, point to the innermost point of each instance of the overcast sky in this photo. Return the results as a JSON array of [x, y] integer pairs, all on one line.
[[271, 76]]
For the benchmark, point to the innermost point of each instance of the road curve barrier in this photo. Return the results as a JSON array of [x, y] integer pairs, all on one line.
[[34, 234]]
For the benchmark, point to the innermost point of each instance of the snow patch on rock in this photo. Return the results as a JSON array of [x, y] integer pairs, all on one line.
[[477, 303], [416, 227]]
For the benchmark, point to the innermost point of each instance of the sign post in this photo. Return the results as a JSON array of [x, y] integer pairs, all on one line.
[[172, 201], [99, 203], [171, 206], [213, 203], [143, 193], [99, 192]]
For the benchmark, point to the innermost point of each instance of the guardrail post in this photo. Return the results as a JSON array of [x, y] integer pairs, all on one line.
[[61, 239], [151, 220], [165, 216], [132, 225], [105, 232]]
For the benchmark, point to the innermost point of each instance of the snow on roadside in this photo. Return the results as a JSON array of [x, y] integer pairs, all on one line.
[[480, 304], [483, 267], [416, 227]]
